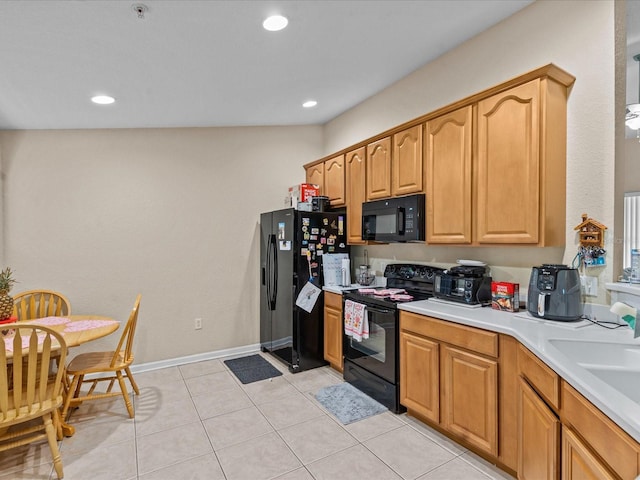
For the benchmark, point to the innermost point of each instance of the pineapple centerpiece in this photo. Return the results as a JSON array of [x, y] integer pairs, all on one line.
[[6, 301]]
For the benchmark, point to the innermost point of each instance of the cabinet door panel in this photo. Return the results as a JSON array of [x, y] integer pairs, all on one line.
[[419, 375], [620, 451], [334, 180], [333, 329], [469, 397], [356, 193], [407, 161], [538, 437], [448, 177], [379, 169], [578, 463], [315, 174], [508, 193]]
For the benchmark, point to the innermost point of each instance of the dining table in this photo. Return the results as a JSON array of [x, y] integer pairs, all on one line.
[[75, 329]]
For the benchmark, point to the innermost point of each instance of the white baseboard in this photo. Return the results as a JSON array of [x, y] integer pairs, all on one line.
[[199, 357]]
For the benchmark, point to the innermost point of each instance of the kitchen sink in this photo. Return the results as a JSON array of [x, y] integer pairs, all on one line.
[[616, 364], [626, 382], [600, 354]]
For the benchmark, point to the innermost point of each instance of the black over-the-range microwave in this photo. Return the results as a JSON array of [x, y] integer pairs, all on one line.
[[398, 219]]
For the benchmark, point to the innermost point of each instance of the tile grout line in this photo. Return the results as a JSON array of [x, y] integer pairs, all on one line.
[[213, 450]]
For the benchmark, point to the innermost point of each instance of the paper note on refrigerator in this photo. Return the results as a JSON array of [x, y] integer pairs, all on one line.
[[332, 267], [308, 297]]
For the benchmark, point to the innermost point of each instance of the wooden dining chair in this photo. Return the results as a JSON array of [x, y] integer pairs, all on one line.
[[28, 391], [104, 366], [39, 304]]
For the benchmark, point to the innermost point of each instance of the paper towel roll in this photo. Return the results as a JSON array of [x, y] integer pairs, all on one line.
[[626, 312], [346, 272]]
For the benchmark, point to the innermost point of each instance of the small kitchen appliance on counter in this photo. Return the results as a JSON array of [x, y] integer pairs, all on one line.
[[468, 284], [554, 293]]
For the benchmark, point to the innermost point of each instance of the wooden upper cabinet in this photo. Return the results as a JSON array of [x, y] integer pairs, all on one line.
[[521, 165], [315, 174], [379, 169], [407, 171], [356, 193], [334, 180], [492, 165], [508, 166], [447, 153]]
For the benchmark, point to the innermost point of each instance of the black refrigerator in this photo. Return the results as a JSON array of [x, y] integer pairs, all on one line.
[[291, 249]]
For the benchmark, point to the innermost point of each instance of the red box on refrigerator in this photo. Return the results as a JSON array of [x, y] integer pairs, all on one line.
[[301, 193]]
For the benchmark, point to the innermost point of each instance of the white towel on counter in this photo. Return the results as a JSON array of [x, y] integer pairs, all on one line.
[[356, 322]]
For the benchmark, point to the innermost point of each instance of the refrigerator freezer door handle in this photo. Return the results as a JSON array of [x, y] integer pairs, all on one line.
[[266, 273], [274, 272]]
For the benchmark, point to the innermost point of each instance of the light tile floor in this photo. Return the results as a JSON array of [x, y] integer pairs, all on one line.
[[197, 421]]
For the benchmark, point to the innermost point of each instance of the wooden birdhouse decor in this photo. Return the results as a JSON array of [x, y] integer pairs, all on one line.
[[591, 232]]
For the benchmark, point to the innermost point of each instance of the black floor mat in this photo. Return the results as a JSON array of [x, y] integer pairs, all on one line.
[[252, 368]]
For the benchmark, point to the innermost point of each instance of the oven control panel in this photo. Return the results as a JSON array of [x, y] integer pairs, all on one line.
[[408, 271]]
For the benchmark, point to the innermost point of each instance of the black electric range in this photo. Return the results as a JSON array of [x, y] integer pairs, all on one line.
[[372, 364]]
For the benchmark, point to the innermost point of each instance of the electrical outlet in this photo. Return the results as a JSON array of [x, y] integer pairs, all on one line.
[[589, 285], [198, 324]]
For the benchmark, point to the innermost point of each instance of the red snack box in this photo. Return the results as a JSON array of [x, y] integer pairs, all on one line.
[[301, 193], [505, 296], [305, 191]]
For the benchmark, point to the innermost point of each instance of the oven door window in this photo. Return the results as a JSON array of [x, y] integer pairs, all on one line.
[[374, 346], [377, 354]]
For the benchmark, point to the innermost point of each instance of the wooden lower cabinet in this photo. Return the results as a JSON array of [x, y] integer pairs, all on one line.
[[606, 441], [420, 375], [538, 437], [447, 381], [578, 463], [469, 396], [333, 330], [494, 396]]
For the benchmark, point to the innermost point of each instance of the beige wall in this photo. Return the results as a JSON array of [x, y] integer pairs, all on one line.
[[578, 36], [632, 165], [173, 214]]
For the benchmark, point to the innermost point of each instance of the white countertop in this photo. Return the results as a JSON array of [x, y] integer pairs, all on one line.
[[632, 288], [535, 335], [339, 289]]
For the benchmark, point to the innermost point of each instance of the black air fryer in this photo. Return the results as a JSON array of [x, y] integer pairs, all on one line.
[[554, 293]]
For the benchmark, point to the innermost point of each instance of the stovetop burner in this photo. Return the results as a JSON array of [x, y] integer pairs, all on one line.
[[405, 283]]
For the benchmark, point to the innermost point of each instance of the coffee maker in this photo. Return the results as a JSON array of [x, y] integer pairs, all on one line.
[[554, 293]]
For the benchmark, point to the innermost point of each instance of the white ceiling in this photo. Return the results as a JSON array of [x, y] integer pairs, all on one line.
[[210, 63]]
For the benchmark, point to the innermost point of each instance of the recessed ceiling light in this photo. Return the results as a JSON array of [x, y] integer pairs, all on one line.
[[275, 23], [309, 104], [103, 99]]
